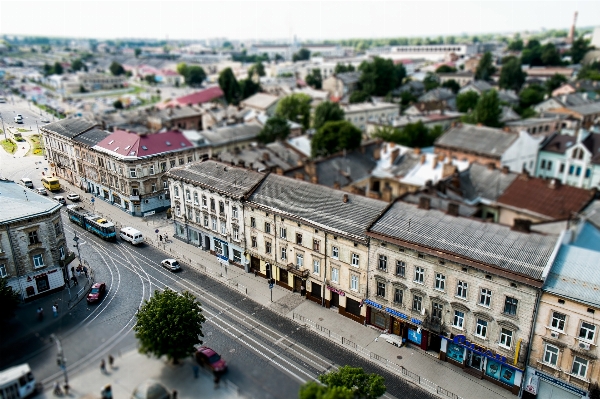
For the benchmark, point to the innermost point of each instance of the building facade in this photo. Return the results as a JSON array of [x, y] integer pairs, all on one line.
[[359, 114]]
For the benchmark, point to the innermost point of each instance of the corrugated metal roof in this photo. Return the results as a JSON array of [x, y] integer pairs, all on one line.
[[91, 137], [478, 139], [17, 202], [319, 205], [70, 127], [472, 239], [480, 182]]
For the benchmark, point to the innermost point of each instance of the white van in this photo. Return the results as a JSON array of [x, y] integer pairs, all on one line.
[[27, 182], [131, 235]]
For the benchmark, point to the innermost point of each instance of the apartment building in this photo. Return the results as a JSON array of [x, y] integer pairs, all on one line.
[[359, 114]]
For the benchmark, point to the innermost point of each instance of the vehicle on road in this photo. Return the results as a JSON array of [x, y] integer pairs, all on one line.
[[73, 197], [51, 183], [170, 264], [207, 357], [96, 293], [41, 191], [26, 181], [19, 118], [18, 382], [60, 199], [131, 235], [45, 120], [96, 224]]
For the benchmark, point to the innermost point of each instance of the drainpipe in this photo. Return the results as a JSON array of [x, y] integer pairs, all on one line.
[[531, 334], [324, 267]]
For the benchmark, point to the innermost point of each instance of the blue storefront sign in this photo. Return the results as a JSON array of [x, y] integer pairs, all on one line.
[[374, 304], [560, 383], [414, 336], [393, 312], [462, 341]]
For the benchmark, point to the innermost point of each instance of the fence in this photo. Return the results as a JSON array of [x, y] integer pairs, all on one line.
[[375, 358]]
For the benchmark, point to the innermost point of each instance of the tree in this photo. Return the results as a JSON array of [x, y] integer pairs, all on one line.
[[590, 71], [335, 136], [295, 108], [452, 85], [78, 65], [137, 52], [412, 135], [116, 69], [359, 96], [326, 112], [249, 87], [275, 128], [445, 69], [314, 79], [151, 79], [512, 75], [57, 68], [578, 49], [488, 110], [169, 324], [380, 76], [431, 81], [182, 69], [314, 390], [531, 95], [9, 300], [194, 75], [230, 86], [516, 45], [227, 45], [485, 68], [302, 55], [363, 385], [550, 55], [554, 82], [118, 104], [341, 68], [407, 98], [257, 68]]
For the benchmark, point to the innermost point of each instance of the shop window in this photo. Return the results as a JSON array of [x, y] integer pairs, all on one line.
[[558, 321], [400, 268], [580, 366], [510, 306], [485, 297], [506, 338], [481, 328], [237, 256], [381, 289], [459, 319], [417, 303], [587, 331], [461, 289], [550, 354]]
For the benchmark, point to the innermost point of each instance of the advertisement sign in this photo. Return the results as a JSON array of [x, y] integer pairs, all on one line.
[[414, 336], [560, 383], [455, 352]]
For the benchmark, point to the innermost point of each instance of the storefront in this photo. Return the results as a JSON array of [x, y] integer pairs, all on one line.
[[541, 385], [34, 284], [482, 362], [395, 322]]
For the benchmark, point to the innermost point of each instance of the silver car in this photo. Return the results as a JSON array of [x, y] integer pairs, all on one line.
[[170, 264]]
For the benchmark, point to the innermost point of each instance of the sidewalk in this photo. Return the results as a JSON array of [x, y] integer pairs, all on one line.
[[132, 369], [407, 362]]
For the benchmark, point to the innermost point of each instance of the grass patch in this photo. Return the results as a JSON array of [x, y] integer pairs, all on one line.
[[9, 146], [20, 129], [37, 146]]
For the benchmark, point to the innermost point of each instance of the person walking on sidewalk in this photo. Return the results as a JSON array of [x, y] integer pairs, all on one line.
[[174, 394], [55, 310], [72, 271], [40, 313], [102, 366], [57, 391], [196, 370], [111, 360], [85, 271]]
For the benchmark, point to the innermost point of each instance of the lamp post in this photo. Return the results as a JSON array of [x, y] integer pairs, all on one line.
[[3, 129], [60, 358]]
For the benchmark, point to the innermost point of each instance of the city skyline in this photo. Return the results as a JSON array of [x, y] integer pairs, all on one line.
[[308, 20]]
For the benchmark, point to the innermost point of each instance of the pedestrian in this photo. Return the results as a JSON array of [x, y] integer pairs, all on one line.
[[55, 310], [302, 290], [66, 388], [40, 313], [72, 271], [174, 394], [111, 360], [57, 390], [196, 370], [74, 279], [106, 392], [216, 380], [166, 238], [160, 237], [102, 366], [85, 271]]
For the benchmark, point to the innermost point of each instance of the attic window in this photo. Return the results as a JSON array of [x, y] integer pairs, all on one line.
[[116, 148], [110, 142], [168, 143], [183, 144], [144, 147], [132, 153], [128, 147]]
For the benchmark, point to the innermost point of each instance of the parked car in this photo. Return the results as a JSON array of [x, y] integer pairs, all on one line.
[[41, 191], [73, 197], [97, 292], [60, 199], [45, 119], [19, 118], [27, 182], [170, 264], [207, 357]]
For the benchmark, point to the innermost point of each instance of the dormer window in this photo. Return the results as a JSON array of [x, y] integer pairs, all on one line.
[[578, 153], [110, 142], [168, 143]]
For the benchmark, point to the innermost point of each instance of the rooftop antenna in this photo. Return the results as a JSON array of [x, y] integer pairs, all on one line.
[[25, 192]]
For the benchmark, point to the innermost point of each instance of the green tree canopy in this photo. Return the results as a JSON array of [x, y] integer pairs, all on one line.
[[341, 68], [335, 136], [359, 96], [364, 385], [302, 55], [295, 108], [512, 75], [249, 87], [314, 390], [230, 86], [275, 128], [314, 79], [531, 95], [431, 81], [554, 82], [415, 135], [137, 52], [257, 68], [452, 85], [9, 300], [516, 45], [445, 69], [57, 68], [78, 65], [578, 49], [380, 76], [466, 102], [182, 68], [488, 110], [550, 55], [591, 71], [169, 324], [485, 68], [118, 104], [194, 75], [116, 69], [325, 112], [151, 79]]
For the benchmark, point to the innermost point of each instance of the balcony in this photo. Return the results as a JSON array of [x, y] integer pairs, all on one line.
[[295, 270]]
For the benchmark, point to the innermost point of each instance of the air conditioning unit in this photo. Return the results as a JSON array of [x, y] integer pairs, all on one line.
[[554, 334], [584, 345]]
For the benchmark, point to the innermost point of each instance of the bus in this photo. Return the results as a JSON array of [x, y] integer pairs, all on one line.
[[51, 183], [98, 225], [18, 382]]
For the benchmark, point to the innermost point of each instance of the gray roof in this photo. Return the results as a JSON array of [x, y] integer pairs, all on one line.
[[348, 78], [318, 205], [260, 101], [531, 121], [586, 109], [18, 202], [437, 94], [231, 134], [91, 137], [439, 203], [472, 239], [479, 85], [478, 139], [225, 179], [70, 128], [508, 96], [480, 182], [509, 115], [592, 213]]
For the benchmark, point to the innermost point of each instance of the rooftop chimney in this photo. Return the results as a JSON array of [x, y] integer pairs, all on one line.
[[345, 198], [314, 179], [417, 150], [394, 155], [522, 225], [336, 185], [424, 203], [453, 209], [554, 184], [448, 170], [377, 153], [505, 170], [279, 171], [299, 175], [491, 166], [435, 162]]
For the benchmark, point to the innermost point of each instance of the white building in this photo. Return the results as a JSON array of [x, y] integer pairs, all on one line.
[[358, 114], [433, 52]]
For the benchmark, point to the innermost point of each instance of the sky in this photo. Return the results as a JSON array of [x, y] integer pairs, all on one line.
[[282, 19]]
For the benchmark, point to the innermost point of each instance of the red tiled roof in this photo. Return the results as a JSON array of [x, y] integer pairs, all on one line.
[[536, 195], [133, 145], [201, 97]]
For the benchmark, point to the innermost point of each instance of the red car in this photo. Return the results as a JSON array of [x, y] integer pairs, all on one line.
[[97, 292], [209, 358]]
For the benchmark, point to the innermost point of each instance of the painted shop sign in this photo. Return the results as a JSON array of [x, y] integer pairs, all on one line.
[[337, 291], [393, 312], [560, 383], [41, 275], [462, 341]]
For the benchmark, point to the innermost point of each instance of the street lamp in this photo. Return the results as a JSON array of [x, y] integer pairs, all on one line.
[[76, 245], [60, 358]]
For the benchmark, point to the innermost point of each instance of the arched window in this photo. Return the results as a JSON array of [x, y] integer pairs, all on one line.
[[195, 198]]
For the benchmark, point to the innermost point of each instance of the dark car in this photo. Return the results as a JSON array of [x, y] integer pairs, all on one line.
[[97, 292], [207, 357]]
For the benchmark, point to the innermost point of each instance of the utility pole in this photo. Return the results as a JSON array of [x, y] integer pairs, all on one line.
[[3, 129], [60, 358]]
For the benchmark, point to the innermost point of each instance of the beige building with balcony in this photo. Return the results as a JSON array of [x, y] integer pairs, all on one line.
[[305, 235]]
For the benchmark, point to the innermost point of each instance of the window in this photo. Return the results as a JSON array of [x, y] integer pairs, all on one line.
[[188, 195], [176, 189], [543, 164], [236, 233], [382, 263], [268, 247], [38, 261], [510, 306], [316, 245], [299, 238], [172, 163], [254, 243], [214, 223], [335, 252], [252, 222], [237, 256], [197, 217], [234, 212], [459, 319], [316, 266], [549, 167], [282, 232], [165, 185], [267, 227], [400, 268], [132, 172], [195, 198], [461, 289], [419, 275], [153, 187], [506, 338], [283, 253], [355, 260], [558, 321], [561, 169], [485, 298], [299, 260], [587, 331], [189, 213], [205, 220], [437, 310], [580, 366], [204, 204], [221, 207], [57, 229], [181, 161], [417, 302], [335, 275], [163, 166], [3, 270], [33, 238], [223, 228], [212, 204], [398, 293], [381, 289], [354, 283], [481, 328], [440, 282], [550, 354]]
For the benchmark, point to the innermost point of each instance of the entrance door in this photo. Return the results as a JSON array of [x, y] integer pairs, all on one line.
[[206, 243], [549, 391], [335, 300], [315, 290], [254, 264], [396, 327], [475, 360], [435, 342], [297, 283], [283, 276]]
